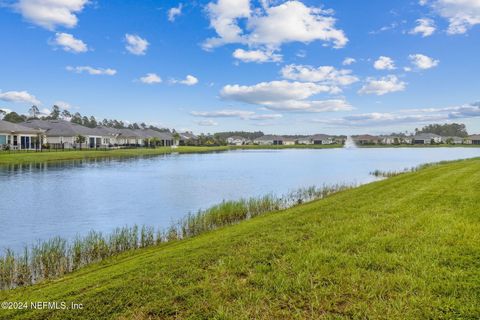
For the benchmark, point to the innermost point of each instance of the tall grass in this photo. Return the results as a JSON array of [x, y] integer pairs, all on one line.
[[56, 257]]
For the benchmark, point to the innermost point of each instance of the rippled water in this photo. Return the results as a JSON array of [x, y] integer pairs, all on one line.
[[41, 201]]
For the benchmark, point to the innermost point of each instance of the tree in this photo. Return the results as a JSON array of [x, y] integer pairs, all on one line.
[[80, 140], [76, 118], [447, 129], [33, 111], [14, 117], [176, 138], [2, 113], [66, 115], [55, 113], [92, 123]]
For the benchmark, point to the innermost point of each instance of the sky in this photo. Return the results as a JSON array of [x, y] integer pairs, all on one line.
[[285, 67]]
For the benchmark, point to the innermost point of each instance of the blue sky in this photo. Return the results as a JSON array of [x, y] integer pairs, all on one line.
[[286, 67]]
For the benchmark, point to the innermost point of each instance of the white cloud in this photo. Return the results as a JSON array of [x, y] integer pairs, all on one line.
[[63, 105], [207, 123], [285, 95], [271, 26], [51, 13], [348, 61], [422, 61], [19, 96], [383, 85], [232, 113], [92, 71], [327, 75], [427, 115], [425, 27], [258, 56], [461, 14], [188, 81], [174, 12], [384, 63], [136, 45], [69, 43], [151, 78]]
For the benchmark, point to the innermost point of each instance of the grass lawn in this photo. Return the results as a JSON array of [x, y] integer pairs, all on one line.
[[420, 146], [403, 248], [7, 158]]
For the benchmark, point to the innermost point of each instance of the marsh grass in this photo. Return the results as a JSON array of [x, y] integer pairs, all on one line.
[[56, 257]]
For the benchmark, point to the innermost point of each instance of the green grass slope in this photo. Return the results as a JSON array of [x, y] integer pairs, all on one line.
[[403, 248]]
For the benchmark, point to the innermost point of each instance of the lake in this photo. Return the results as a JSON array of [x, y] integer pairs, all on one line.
[[65, 199]]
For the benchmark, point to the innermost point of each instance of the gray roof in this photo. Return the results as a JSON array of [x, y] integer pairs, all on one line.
[[474, 137], [320, 137], [269, 137], [187, 135], [61, 128], [426, 136], [9, 127]]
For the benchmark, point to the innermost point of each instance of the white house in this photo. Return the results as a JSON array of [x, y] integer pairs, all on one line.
[[269, 140], [322, 139], [237, 141], [473, 139], [17, 137], [452, 140], [427, 138], [305, 140]]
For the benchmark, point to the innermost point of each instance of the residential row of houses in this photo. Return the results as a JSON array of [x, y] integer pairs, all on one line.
[[424, 138], [281, 140], [61, 134]]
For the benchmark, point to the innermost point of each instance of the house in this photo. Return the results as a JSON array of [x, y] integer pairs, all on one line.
[[18, 137], [322, 139], [269, 140], [366, 139], [130, 138], [156, 138], [305, 140], [427, 138], [61, 134], [237, 141], [473, 139], [187, 138], [452, 140], [287, 141]]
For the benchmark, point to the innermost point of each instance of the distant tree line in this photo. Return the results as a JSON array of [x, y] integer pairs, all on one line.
[[247, 135], [57, 113], [445, 130]]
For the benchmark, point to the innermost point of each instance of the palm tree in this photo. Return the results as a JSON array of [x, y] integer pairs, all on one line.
[[80, 139]]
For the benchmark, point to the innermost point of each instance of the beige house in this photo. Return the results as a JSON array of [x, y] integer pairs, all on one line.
[[15, 136]]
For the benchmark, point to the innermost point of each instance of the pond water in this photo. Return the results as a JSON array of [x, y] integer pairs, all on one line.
[[45, 200]]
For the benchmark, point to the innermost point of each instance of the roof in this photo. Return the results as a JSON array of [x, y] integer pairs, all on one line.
[[61, 128], [187, 135], [321, 137], [237, 138], [474, 137], [269, 137], [424, 136], [10, 127], [365, 137]]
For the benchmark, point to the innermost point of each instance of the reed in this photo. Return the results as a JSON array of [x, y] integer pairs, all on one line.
[[56, 257]]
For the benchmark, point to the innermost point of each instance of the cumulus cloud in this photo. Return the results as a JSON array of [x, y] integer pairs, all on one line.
[[92, 71], [384, 63], [258, 56], [348, 61], [69, 43], [174, 12], [383, 85], [426, 115], [327, 75], [188, 81], [19, 96], [285, 95], [135, 44], [460, 14], [421, 61], [425, 27], [50, 14], [151, 78], [271, 26]]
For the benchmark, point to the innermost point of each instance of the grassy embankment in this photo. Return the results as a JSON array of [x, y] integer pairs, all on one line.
[[20, 157], [419, 146], [403, 248]]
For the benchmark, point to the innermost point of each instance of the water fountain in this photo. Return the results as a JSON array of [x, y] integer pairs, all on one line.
[[349, 143]]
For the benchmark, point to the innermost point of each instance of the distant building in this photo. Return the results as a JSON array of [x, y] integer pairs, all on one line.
[[427, 138], [452, 140], [237, 141], [187, 138], [269, 140], [367, 139], [473, 139], [305, 140], [18, 137], [322, 139]]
